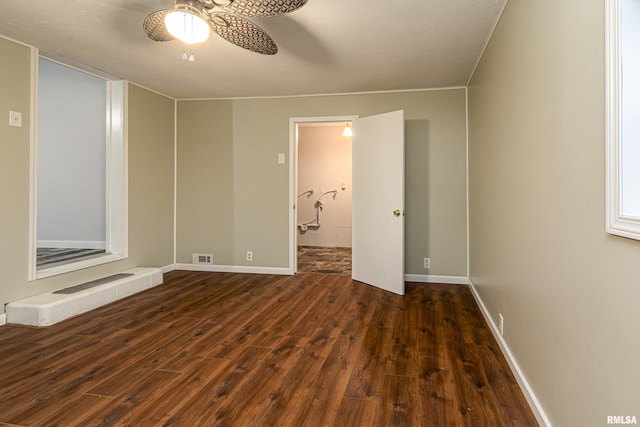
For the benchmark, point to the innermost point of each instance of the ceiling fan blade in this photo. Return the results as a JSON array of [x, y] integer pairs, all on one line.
[[264, 7], [243, 33], [154, 26]]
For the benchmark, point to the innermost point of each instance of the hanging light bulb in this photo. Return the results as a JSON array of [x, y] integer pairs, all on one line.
[[187, 25], [191, 58], [347, 130]]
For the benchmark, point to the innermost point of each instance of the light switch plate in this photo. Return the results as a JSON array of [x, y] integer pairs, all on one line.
[[281, 158], [15, 119]]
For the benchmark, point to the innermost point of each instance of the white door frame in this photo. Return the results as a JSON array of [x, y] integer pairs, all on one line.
[[293, 178]]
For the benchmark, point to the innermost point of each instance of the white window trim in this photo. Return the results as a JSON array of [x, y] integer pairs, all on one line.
[[617, 223], [117, 180]]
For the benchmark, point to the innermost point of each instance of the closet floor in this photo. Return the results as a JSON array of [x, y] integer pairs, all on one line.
[[324, 260]]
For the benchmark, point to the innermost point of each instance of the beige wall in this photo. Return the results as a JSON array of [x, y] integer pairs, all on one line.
[[14, 171], [234, 197], [205, 181], [150, 183], [151, 177], [539, 253]]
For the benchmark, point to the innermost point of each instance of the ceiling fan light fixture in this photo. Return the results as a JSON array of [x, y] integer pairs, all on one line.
[[187, 26], [191, 21]]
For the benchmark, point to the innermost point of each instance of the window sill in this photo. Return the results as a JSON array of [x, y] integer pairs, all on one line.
[[625, 227], [79, 265]]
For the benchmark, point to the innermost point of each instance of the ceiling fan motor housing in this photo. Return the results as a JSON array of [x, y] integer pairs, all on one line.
[[198, 6], [192, 5], [210, 4]]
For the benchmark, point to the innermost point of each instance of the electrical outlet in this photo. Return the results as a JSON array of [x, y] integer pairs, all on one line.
[[427, 263], [249, 256], [501, 323]]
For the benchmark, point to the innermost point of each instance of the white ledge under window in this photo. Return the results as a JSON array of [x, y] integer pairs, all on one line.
[[622, 125], [73, 266]]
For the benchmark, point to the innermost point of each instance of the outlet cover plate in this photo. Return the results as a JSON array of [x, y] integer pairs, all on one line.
[[15, 119]]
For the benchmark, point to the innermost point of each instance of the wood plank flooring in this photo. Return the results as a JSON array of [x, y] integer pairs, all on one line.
[[221, 349]]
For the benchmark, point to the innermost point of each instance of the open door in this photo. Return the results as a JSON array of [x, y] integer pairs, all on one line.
[[378, 201]]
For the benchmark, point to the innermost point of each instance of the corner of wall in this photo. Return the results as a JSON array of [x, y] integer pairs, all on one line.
[[533, 401]]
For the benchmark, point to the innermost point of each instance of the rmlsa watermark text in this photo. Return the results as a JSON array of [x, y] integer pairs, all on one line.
[[621, 419]]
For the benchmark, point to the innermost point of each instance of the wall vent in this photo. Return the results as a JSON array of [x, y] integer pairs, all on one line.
[[202, 259]]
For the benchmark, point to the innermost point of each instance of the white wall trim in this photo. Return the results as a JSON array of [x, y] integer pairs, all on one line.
[[533, 401], [466, 181], [421, 278], [17, 41], [70, 63], [153, 91], [486, 45], [3, 319], [33, 164], [373, 92], [168, 268], [117, 173], [429, 278], [175, 182], [617, 222], [234, 269]]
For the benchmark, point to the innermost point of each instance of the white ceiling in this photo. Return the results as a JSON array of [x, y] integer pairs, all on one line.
[[327, 46]]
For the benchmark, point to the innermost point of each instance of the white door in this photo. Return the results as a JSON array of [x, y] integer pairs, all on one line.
[[378, 201]]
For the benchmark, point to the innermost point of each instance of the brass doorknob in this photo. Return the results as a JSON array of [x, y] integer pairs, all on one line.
[[396, 212]]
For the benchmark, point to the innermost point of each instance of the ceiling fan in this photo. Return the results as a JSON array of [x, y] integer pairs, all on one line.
[[192, 20]]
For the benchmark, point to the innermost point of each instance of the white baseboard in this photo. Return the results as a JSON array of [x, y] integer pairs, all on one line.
[[70, 244], [534, 403], [168, 268], [234, 269], [455, 280], [3, 319], [424, 278]]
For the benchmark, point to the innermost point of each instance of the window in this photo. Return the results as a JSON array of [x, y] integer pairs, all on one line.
[[623, 118], [78, 200]]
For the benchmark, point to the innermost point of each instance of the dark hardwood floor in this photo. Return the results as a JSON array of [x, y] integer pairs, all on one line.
[[209, 349]]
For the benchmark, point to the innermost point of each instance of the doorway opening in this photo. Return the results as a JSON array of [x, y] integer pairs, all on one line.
[[377, 206], [323, 223]]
